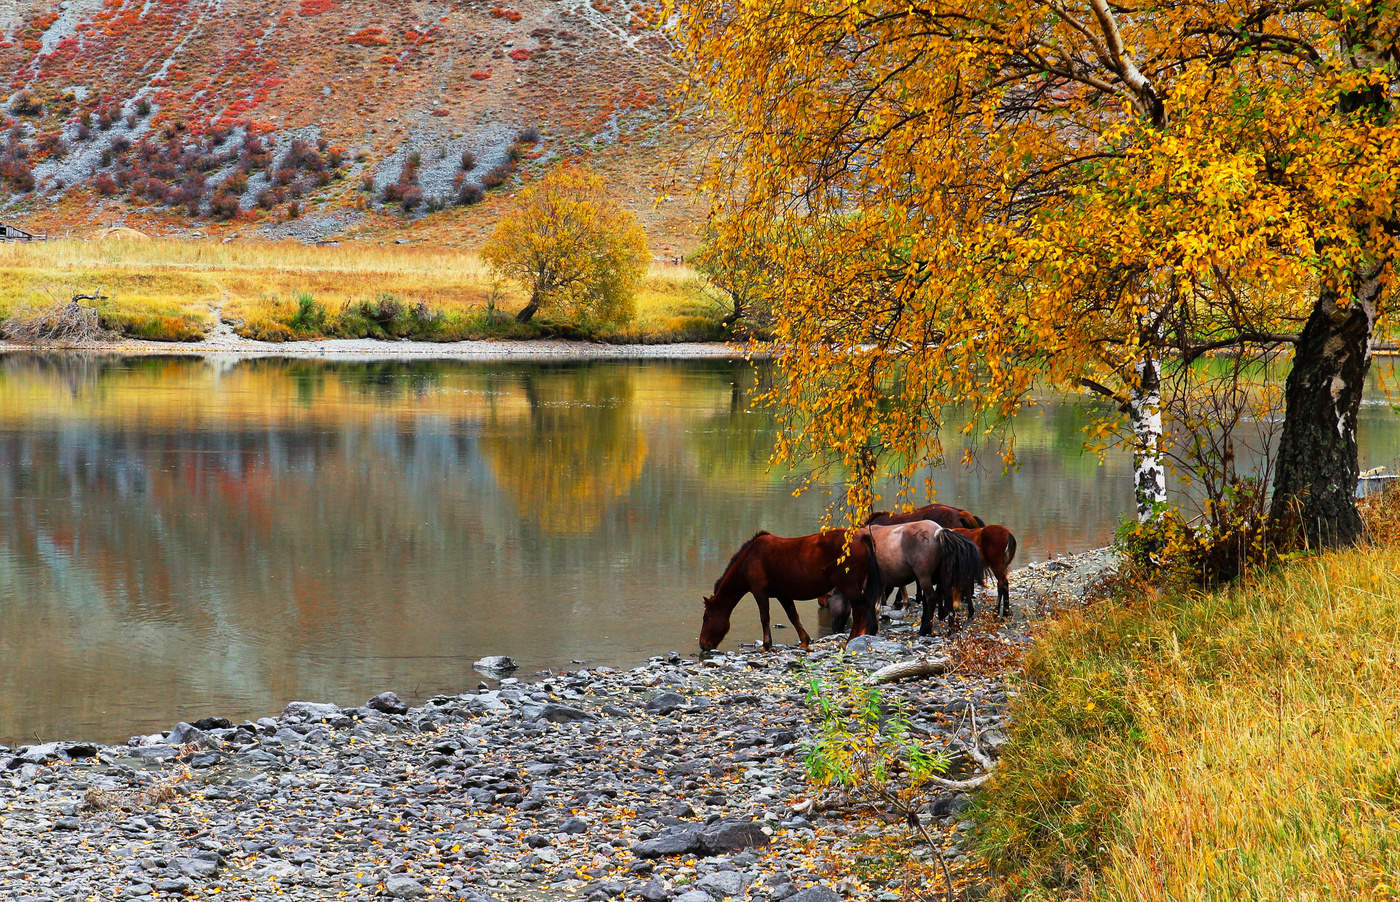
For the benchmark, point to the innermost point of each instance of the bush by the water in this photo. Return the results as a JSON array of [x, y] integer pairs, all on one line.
[[1238, 744]]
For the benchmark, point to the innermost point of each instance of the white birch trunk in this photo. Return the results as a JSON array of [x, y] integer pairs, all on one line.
[[1149, 471]]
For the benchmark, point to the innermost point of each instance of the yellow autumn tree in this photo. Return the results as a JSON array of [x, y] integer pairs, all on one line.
[[571, 248], [1082, 192]]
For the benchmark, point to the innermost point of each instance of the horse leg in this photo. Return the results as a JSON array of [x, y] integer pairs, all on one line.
[[901, 599], [1003, 595], [763, 618], [926, 615], [954, 603], [791, 610]]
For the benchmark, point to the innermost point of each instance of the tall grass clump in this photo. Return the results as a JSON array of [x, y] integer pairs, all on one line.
[[1191, 745]]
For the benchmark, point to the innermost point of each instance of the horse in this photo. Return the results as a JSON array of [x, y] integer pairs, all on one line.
[[998, 548], [928, 555], [790, 569], [944, 515]]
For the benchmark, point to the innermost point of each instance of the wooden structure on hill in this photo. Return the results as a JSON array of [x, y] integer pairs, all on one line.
[[12, 233]]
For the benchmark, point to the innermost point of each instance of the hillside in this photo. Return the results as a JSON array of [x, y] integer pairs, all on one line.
[[320, 118]]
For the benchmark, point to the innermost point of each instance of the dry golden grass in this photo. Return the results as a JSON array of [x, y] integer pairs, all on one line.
[[1243, 744], [172, 289]]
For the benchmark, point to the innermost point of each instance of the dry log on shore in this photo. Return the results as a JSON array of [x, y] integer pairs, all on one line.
[[909, 670]]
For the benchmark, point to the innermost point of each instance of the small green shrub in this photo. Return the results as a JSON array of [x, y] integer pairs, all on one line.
[[310, 315]]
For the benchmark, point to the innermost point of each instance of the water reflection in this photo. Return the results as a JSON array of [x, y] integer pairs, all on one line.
[[181, 537]]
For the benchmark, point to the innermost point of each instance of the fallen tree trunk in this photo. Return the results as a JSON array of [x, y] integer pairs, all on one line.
[[909, 670]]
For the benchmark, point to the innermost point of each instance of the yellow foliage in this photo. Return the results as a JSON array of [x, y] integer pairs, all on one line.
[[985, 198], [571, 248]]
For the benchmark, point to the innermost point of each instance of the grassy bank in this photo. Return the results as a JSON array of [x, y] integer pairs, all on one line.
[[173, 290], [1243, 744]]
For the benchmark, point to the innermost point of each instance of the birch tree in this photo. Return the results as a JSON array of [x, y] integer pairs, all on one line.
[[1064, 191]]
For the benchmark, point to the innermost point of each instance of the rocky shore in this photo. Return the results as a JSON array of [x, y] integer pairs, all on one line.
[[674, 780]]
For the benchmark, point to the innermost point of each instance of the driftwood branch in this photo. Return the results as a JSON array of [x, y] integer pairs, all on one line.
[[70, 321], [974, 751], [909, 670]]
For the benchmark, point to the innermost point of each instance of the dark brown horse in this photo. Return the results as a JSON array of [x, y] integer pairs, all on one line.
[[942, 514], [959, 575], [791, 570], [998, 548]]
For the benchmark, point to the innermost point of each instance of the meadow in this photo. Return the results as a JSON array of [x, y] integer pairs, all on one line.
[[1190, 745], [169, 290]]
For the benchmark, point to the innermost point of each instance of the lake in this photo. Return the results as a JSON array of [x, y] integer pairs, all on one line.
[[184, 537]]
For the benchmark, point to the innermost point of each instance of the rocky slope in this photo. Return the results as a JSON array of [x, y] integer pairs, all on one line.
[[250, 112]]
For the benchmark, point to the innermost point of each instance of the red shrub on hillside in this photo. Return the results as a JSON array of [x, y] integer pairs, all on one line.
[[368, 37]]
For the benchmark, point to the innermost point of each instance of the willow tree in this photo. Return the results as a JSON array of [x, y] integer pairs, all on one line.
[[1067, 190]]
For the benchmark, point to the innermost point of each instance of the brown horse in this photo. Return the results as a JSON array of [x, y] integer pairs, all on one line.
[[944, 515], [998, 548], [791, 570]]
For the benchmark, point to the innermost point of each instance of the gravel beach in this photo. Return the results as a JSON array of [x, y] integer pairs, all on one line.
[[677, 779]]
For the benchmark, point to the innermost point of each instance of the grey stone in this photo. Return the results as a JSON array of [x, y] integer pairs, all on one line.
[[401, 887], [671, 841], [39, 754], [160, 752], [723, 883], [496, 664], [732, 836], [387, 703], [195, 867], [556, 713], [694, 895], [67, 823], [654, 892], [573, 825], [873, 644], [183, 733], [310, 711], [815, 894], [665, 703]]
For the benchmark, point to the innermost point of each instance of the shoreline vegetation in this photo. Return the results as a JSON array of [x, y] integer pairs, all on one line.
[[1169, 743], [277, 292]]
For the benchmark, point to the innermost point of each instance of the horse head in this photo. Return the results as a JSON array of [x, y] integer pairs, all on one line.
[[715, 624]]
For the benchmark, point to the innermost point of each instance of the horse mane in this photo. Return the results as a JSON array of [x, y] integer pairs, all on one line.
[[734, 561], [875, 515]]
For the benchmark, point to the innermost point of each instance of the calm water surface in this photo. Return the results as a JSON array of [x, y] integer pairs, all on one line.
[[180, 538]]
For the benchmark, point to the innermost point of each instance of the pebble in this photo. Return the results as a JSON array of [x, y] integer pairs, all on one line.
[[673, 781]]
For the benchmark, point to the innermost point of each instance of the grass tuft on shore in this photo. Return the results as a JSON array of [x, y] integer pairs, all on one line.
[[281, 291], [1239, 744]]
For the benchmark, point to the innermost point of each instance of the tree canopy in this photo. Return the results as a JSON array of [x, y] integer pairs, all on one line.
[[571, 247], [1062, 190]]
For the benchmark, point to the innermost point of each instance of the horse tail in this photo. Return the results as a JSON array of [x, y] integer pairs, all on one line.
[[1010, 547], [959, 563], [981, 524]]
